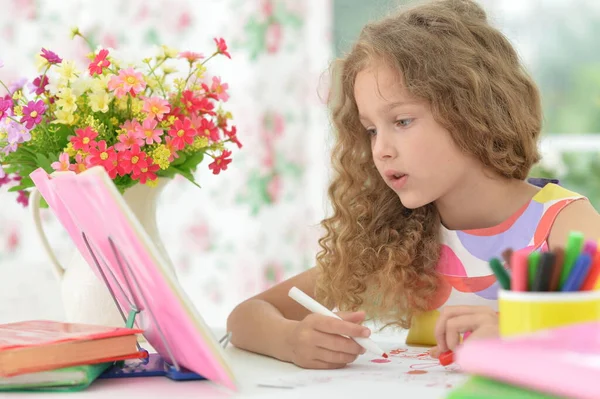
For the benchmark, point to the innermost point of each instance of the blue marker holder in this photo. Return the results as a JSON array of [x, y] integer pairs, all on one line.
[[152, 365]]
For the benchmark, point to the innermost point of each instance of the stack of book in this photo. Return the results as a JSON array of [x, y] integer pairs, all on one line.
[[51, 355]]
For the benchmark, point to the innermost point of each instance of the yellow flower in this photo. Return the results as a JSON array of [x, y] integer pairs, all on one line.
[[70, 150], [200, 71], [99, 101], [18, 110], [179, 84], [168, 52], [136, 105], [67, 100], [64, 117], [152, 183], [75, 32], [151, 82], [17, 95], [167, 69], [100, 83], [161, 155], [199, 143], [94, 123], [114, 121], [40, 62], [67, 70], [122, 103]]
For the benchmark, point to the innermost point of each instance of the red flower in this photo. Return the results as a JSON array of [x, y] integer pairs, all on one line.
[[220, 163], [208, 129], [232, 134], [222, 47], [147, 173], [192, 104], [105, 157], [84, 139], [99, 63], [182, 133], [132, 161], [205, 106]]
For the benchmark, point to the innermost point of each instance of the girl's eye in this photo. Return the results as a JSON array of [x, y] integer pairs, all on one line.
[[371, 132], [404, 122]]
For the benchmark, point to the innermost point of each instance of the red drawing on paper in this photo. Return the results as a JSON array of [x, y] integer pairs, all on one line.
[[380, 361]]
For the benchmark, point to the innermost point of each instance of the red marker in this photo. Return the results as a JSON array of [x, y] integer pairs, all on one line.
[[520, 271], [446, 358]]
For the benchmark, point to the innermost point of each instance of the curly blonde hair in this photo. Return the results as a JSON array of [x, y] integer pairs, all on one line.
[[377, 255]]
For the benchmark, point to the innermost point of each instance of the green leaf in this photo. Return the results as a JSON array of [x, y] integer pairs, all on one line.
[[192, 161], [171, 172], [182, 158], [188, 175], [44, 163]]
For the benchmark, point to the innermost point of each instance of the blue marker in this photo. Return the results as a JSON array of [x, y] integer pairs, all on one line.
[[578, 273]]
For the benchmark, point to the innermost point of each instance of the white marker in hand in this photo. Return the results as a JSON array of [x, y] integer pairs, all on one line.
[[315, 307]]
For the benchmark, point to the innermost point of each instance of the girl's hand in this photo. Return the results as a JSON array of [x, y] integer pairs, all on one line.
[[317, 343], [480, 321]]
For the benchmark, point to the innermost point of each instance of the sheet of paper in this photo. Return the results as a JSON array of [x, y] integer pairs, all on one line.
[[406, 367]]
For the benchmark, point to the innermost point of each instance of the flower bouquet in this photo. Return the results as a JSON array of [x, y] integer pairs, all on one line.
[[139, 122]]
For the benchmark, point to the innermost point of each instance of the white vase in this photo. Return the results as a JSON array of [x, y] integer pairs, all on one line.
[[85, 297]]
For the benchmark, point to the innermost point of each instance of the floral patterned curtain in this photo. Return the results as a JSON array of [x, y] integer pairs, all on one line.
[[245, 229]]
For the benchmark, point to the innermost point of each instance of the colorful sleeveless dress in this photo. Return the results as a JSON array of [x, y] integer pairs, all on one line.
[[466, 276]]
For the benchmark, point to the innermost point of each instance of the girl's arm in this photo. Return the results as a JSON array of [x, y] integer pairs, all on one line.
[[263, 323]]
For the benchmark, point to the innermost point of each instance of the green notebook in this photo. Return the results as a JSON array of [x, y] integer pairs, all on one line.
[[66, 379], [478, 387]]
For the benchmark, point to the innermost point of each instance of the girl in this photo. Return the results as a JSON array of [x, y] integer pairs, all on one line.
[[437, 125]]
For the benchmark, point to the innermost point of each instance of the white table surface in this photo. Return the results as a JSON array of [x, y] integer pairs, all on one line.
[[250, 369]]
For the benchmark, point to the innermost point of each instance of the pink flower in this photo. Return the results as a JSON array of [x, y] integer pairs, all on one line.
[[23, 198], [128, 140], [51, 57], [190, 56], [39, 84], [132, 127], [5, 105], [222, 47], [32, 113], [220, 89], [81, 164], [84, 139], [149, 131], [156, 107], [171, 147], [100, 62], [63, 164], [128, 81]]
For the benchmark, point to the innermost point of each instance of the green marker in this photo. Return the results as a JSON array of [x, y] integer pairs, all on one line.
[[500, 273], [533, 260], [572, 251]]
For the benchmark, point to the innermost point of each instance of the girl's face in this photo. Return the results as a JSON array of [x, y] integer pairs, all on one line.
[[414, 154]]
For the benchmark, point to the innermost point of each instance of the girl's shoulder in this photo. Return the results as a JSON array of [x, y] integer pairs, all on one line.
[[569, 211]]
